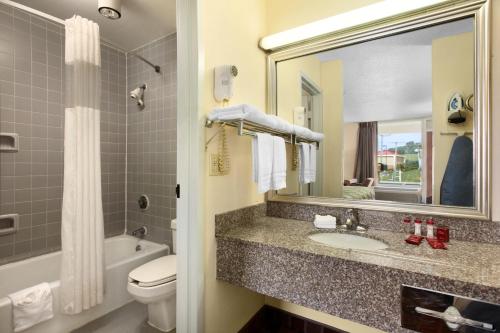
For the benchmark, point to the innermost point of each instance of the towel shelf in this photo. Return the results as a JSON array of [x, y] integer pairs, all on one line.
[[249, 128]]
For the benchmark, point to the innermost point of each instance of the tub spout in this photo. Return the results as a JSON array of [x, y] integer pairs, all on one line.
[[140, 232]]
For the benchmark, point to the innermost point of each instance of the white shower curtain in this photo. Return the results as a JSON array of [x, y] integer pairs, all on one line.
[[82, 231]]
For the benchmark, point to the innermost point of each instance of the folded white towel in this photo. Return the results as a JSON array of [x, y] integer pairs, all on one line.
[[305, 165], [306, 133], [325, 221], [242, 112], [278, 178], [302, 132], [229, 112], [282, 125], [31, 306], [317, 136], [312, 162], [262, 152]]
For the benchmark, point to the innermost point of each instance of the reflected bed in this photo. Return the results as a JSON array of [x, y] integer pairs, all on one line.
[[358, 192]]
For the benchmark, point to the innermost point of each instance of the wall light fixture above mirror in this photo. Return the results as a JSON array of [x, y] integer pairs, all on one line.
[[404, 106], [366, 14]]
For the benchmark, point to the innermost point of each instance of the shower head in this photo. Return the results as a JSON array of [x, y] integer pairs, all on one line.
[[138, 94], [110, 8]]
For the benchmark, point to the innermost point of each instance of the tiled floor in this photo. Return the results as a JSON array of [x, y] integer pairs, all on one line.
[[128, 319]]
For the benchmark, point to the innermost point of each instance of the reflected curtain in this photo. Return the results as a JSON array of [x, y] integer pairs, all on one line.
[[82, 231], [366, 153]]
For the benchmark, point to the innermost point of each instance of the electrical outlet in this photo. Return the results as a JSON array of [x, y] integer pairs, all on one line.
[[214, 165]]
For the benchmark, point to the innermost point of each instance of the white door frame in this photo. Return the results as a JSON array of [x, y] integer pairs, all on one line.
[[190, 158]]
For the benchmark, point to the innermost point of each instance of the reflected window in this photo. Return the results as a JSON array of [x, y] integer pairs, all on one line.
[[399, 153]]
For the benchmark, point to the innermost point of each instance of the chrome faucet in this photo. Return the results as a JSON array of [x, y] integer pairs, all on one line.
[[352, 221], [140, 232]]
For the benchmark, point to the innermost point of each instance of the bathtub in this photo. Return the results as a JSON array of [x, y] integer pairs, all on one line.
[[121, 258]]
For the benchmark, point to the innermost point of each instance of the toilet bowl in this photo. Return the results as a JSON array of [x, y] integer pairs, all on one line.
[[154, 284]]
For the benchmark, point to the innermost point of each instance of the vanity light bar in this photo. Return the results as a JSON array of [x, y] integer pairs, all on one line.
[[370, 13]]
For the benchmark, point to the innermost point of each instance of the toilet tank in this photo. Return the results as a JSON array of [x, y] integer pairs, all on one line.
[[173, 226]]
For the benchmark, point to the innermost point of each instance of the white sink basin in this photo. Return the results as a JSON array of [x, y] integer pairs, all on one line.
[[348, 241]]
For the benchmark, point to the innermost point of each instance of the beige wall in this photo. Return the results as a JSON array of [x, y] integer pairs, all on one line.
[[333, 123], [227, 308], [289, 96], [350, 148], [289, 89], [327, 76], [286, 14], [451, 72]]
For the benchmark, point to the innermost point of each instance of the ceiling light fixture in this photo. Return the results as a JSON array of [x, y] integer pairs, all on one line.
[[370, 13], [110, 8]]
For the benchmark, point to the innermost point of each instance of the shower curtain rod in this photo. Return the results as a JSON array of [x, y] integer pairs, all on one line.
[[60, 21], [51, 18], [32, 11]]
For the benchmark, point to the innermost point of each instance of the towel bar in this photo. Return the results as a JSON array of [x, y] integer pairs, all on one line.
[[249, 128]]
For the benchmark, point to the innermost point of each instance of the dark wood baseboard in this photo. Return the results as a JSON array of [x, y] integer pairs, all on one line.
[[272, 320]]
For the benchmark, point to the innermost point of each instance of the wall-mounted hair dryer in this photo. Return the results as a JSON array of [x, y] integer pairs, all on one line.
[[138, 94]]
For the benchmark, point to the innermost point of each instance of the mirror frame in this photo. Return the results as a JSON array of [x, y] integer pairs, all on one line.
[[421, 18]]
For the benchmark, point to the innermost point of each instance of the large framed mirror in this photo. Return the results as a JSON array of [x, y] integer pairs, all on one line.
[[403, 104]]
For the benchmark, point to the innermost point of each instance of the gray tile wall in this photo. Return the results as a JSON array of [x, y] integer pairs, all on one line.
[[151, 143], [113, 138], [32, 105]]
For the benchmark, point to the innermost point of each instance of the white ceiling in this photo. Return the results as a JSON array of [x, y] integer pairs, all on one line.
[[142, 21], [391, 78]]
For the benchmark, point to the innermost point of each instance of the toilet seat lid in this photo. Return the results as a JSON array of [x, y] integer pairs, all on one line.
[[155, 272]]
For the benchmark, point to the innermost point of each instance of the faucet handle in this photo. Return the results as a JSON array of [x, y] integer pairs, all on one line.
[[351, 214]]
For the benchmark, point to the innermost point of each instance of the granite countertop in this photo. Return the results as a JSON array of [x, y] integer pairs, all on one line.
[[477, 263]]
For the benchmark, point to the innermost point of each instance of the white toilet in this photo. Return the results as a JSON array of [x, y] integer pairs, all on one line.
[[154, 284]]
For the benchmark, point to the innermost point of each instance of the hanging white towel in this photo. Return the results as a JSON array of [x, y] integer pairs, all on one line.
[[31, 306], [305, 165], [312, 162], [278, 177], [262, 148]]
